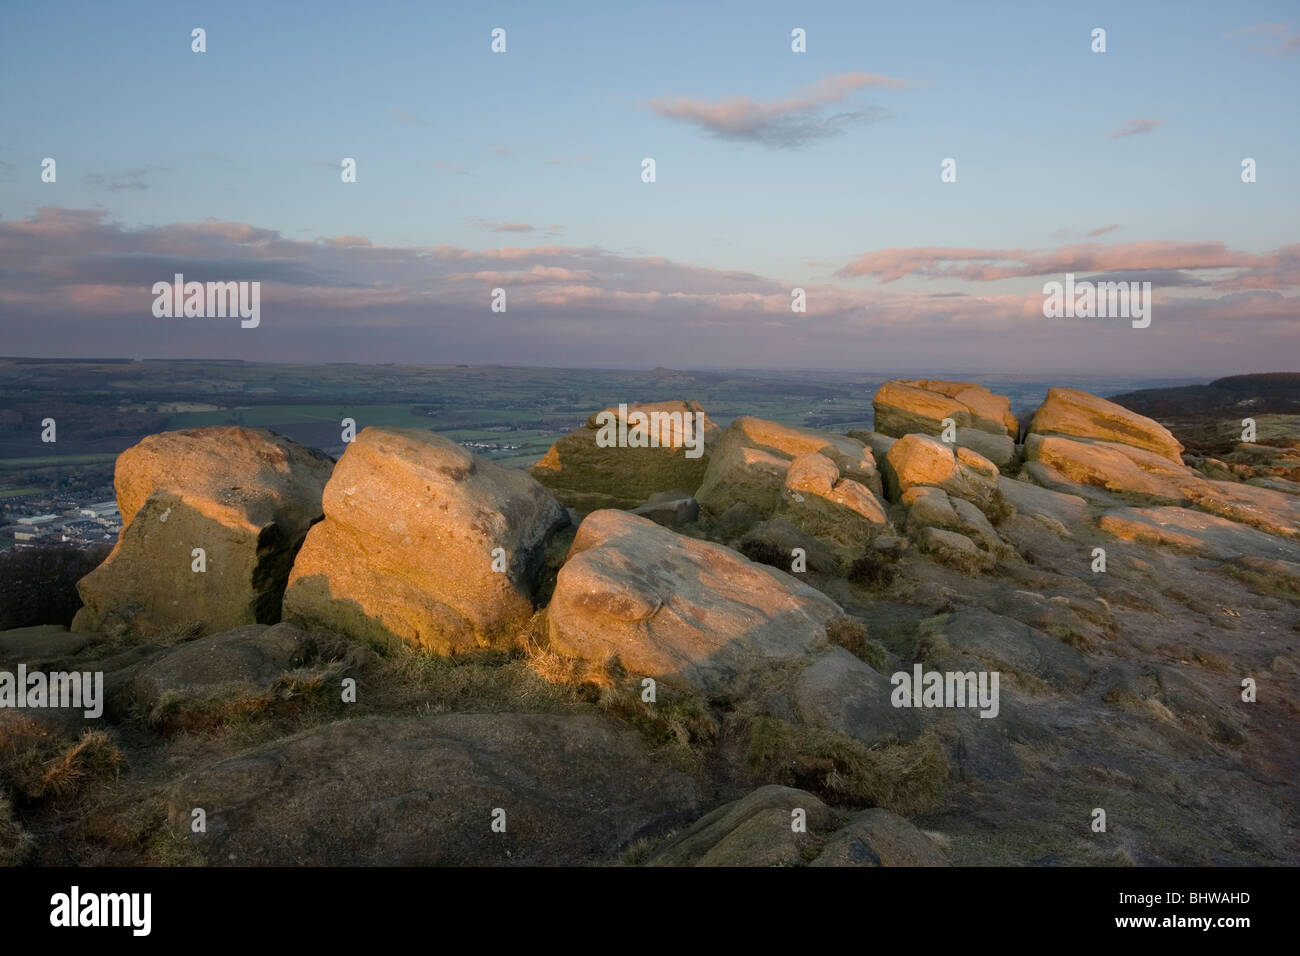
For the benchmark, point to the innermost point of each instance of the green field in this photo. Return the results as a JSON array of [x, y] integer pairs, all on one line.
[[15, 492]]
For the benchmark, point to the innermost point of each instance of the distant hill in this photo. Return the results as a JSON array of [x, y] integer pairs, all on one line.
[[1268, 393]]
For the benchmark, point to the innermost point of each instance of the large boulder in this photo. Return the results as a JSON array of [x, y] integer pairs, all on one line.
[[739, 475], [419, 791], [842, 693], [919, 460], [822, 504], [752, 456], [1123, 469], [982, 420], [415, 530], [245, 496], [664, 604], [905, 406], [1075, 414], [585, 472]]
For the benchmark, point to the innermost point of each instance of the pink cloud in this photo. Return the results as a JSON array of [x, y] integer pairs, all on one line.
[[1135, 127], [793, 121], [991, 264]]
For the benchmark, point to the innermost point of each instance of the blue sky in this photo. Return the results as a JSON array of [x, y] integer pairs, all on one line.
[[452, 140]]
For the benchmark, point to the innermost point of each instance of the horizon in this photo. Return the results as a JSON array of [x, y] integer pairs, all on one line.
[[1009, 373]]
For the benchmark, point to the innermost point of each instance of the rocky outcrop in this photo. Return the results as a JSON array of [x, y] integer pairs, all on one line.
[[422, 791], [982, 420], [661, 453], [666, 605], [246, 497], [740, 475], [1075, 414], [820, 503], [919, 460], [423, 543], [1196, 531], [752, 456]]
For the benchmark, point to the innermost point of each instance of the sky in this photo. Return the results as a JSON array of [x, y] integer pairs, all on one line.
[[774, 170]]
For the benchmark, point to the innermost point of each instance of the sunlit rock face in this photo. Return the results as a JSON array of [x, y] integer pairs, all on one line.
[[211, 521]]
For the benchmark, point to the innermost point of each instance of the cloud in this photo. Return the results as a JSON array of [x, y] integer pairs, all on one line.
[[493, 225], [1279, 39], [986, 265], [791, 122], [406, 116], [77, 283], [451, 168], [500, 150], [1100, 231], [126, 179], [1135, 127]]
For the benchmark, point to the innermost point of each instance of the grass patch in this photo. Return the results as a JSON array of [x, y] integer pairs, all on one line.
[[1266, 584], [851, 634], [906, 778], [39, 765], [15, 842]]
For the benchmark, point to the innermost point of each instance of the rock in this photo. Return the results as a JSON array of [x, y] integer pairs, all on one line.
[[752, 831], [955, 550], [1273, 511], [1032, 500], [44, 643], [999, 449], [1276, 484], [406, 550], [1196, 531], [585, 476], [664, 604], [921, 460], [1117, 468], [787, 442], [930, 507], [903, 406], [236, 670], [773, 542], [842, 693], [427, 795], [246, 496], [1005, 643], [878, 443], [1075, 414], [838, 510], [877, 837], [672, 513], [1286, 571], [741, 475], [1052, 479]]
